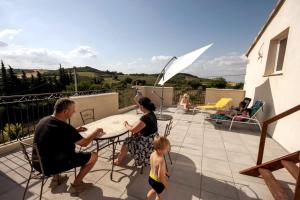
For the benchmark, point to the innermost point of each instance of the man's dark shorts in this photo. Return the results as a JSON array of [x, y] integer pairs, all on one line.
[[58, 166]]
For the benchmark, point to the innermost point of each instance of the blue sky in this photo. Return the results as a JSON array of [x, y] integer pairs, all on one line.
[[130, 36]]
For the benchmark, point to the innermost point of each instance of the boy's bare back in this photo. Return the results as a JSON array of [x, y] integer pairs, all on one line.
[[157, 177], [157, 162]]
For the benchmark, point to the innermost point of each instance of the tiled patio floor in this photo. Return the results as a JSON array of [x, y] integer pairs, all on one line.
[[206, 162]]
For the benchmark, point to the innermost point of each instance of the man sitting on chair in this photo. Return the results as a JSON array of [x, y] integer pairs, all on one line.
[[56, 139]]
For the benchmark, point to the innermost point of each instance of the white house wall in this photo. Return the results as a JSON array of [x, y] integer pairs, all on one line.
[[280, 92]]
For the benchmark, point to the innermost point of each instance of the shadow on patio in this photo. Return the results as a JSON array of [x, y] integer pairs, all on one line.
[[206, 158]]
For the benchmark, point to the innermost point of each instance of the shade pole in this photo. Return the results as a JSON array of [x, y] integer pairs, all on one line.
[[162, 74]]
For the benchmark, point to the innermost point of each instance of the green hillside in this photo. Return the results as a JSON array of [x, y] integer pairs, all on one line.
[[112, 79]]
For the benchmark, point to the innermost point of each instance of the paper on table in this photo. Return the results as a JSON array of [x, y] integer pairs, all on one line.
[[182, 63]]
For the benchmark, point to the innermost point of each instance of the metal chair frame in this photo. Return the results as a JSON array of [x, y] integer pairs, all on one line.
[[168, 129], [85, 119], [253, 120], [34, 174]]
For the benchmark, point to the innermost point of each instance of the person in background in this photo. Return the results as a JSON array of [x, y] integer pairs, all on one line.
[[239, 113], [158, 173], [234, 110], [185, 102], [139, 145], [56, 139], [137, 97]]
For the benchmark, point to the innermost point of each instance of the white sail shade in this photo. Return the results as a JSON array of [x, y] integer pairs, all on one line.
[[182, 63]]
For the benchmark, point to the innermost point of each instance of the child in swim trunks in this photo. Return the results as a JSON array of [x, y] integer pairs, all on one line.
[[158, 173]]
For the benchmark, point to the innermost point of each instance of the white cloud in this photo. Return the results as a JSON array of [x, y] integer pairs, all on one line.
[[9, 33], [229, 65], [228, 62], [160, 58], [139, 65], [3, 44], [23, 57], [135, 66], [26, 57], [83, 51]]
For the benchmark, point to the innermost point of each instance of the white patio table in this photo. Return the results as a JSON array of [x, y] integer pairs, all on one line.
[[113, 130]]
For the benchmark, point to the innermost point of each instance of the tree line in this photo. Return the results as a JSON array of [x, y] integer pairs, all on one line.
[[12, 84]]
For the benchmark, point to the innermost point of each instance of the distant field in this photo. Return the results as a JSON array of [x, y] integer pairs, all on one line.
[[181, 80], [150, 80], [110, 80], [88, 74]]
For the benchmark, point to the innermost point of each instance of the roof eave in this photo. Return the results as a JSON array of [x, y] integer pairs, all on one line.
[[264, 27]]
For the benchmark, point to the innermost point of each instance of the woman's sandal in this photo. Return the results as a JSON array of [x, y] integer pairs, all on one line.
[[61, 179]]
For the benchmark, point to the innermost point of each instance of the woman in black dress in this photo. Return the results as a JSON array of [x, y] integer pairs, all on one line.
[[139, 145]]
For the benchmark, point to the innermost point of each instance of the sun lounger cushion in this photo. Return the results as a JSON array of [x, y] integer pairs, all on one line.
[[219, 117], [256, 106], [225, 117], [222, 103]]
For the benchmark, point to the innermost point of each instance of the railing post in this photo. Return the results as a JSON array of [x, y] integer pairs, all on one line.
[[265, 128], [297, 187], [262, 143]]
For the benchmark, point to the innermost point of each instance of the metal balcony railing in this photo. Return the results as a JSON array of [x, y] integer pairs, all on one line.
[[20, 113]]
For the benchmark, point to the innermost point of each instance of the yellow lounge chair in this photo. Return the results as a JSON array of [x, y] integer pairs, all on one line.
[[221, 104]]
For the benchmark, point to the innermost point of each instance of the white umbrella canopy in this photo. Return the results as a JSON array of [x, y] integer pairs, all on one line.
[[182, 63]]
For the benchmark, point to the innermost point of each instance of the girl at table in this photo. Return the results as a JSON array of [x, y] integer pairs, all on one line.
[[139, 145]]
